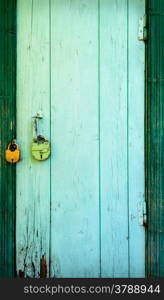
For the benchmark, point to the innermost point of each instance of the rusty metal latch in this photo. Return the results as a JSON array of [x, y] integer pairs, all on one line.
[[142, 30]]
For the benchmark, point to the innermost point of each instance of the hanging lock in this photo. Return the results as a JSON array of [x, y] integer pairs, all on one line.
[[12, 153], [40, 148], [40, 145]]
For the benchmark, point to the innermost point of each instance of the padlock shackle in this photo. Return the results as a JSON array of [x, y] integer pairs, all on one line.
[[13, 144]]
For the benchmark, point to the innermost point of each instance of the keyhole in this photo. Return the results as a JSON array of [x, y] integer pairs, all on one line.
[[41, 156]]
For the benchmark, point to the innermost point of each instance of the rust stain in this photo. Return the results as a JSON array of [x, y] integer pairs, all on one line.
[[21, 274], [43, 267], [43, 270]]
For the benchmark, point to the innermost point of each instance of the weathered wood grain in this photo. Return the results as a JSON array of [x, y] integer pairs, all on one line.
[[113, 138], [136, 105], [75, 138], [80, 62], [33, 95], [155, 140], [122, 138], [7, 133]]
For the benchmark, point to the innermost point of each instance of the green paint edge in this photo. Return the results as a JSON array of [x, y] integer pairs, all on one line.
[[155, 140], [7, 117]]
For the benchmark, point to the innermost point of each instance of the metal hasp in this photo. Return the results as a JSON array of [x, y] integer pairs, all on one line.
[[142, 30], [36, 120], [40, 145]]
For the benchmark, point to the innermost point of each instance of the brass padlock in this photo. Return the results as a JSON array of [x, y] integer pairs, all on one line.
[[12, 153], [40, 148]]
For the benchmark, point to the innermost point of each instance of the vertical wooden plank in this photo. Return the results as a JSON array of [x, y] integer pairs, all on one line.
[[136, 104], [155, 140], [7, 133], [113, 137], [33, 95], [75, 135]]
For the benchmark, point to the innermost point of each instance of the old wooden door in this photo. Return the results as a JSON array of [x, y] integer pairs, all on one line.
[[80, 63]]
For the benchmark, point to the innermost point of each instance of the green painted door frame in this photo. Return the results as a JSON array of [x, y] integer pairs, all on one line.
[[7, 132], [155, 139], [154, 142]]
